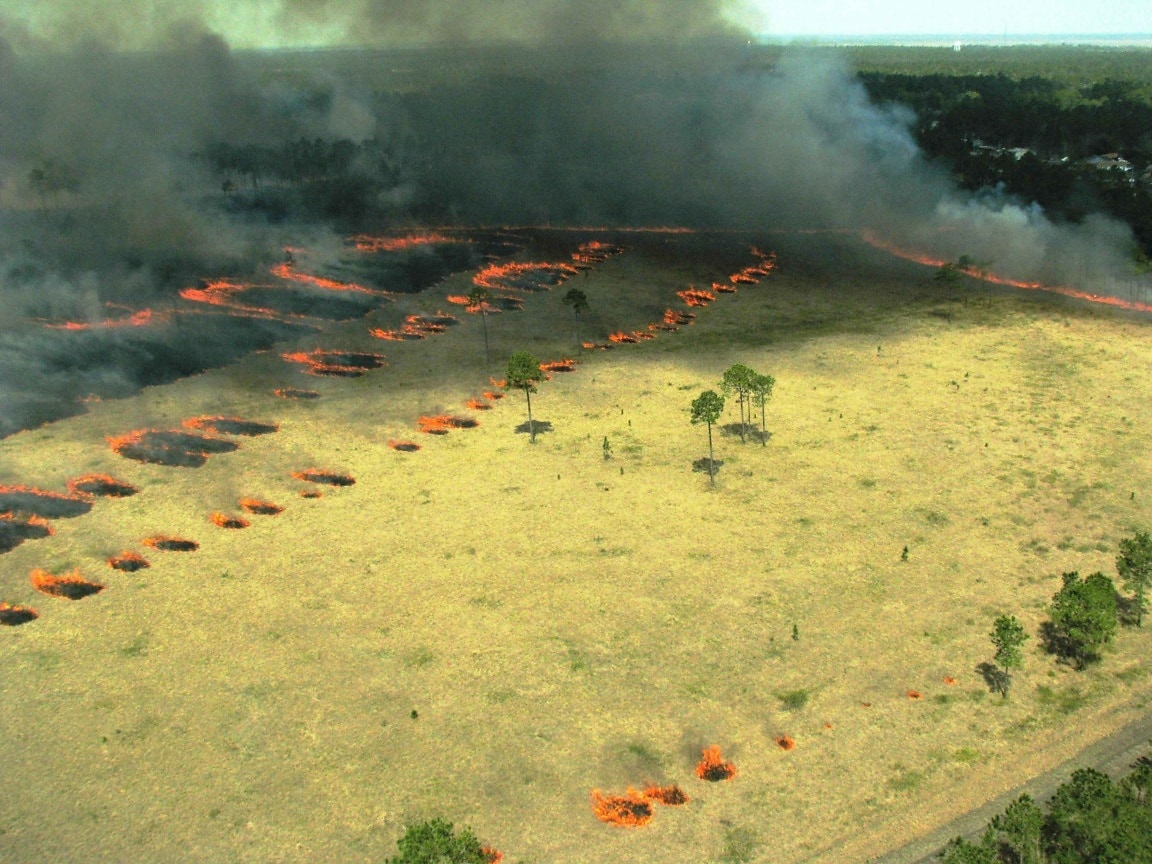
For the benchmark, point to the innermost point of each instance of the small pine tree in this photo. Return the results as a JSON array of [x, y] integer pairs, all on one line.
[[522, 374], [1134, 566], [706, 408], [1008, 637]]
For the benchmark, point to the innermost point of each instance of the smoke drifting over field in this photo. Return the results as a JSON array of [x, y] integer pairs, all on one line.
[[108, 192]]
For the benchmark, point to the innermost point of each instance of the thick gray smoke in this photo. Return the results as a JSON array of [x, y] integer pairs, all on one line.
[[106, 193]]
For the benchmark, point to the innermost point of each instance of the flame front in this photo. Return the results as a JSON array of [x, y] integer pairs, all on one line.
[[632, 809], [712, 766]]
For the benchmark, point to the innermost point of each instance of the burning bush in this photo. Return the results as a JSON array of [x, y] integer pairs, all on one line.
[[102, 486], [14, 530], [712, 766], [14, 616], [260, 508], [171, 544], [71, 586], [128, 562], [404, 446], [295, 393], [230, 426], [632, 809], [174, 448], [223, 520], [341, 364], [327, 478], [36, 502]]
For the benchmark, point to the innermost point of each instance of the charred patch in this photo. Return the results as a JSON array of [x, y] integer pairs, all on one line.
[[404, 446], [230, 426], [327, 478], [528, 427], [700, 465], [27, 500], [165, 543], [71, 586], [311, 493], [102, 486], [223, 520], [174, 448], [128, 562], [529, 277], [632, 809], [14, 530], [295, 393], [712, 766], [14, 616], [260, 508]]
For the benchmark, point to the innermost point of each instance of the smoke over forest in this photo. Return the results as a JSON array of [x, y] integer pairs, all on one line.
[[141, 156]]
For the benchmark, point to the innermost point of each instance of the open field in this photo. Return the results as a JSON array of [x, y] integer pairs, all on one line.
[[487, 630]]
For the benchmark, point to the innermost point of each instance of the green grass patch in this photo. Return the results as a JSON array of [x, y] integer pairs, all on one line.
[[794, 700]]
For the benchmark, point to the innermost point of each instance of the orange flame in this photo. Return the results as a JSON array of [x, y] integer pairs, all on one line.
[[494, 856], [565, 365], [368, 243], [223, 520], [287, 270], [948, 679], [523, 276], [442, 424], [712, 766], [328, 478], [914, 694], [721, 288], [595, 252], [631, 809], [478, 405], [260, 508], [695, 297], [784, 742], [344, 364], [229, 425], [492, 395], [71, 586], [13, 616], [138, 318]]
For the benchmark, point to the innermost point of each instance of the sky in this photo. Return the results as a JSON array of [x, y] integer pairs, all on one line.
[[989, 17], [135, 24]]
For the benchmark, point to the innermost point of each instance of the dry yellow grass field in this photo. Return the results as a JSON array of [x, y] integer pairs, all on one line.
[[487, 630]]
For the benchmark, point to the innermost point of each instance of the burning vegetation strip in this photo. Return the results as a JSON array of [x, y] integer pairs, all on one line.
[[442, 424], [102, 486], [165, 543], [326, 478], [27, 500], [631, 810], [530, 277], [14, 616], [712, 766], [223, 520], [128, 562], [335, 364], [230, 426], [71, 586], [175, 448], [14, 530], [260, 508], [669, 796]]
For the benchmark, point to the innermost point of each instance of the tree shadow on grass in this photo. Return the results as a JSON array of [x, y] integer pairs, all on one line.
[[539, 425], [1066, 649], [1127, 610], [996, 678], [701, 465]]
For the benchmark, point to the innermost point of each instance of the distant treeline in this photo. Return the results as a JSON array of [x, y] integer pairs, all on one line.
[[1036, 135], [1089, 819]]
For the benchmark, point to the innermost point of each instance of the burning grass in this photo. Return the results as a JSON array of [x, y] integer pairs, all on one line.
[[369, 243], [223, 520], [712, 766], [230, 426], [295, 393], [695, 297], [915, 694], [102, 486], [564, 365], [311, 493], [404, 446], [335, 364], [14, 530], [14, 616], [260, 508], [128, 562], [326, 478], [71, 586], [478, 405], [632, 809], [442, 424], [595, 252], [669, 796], [165, 543], [174, 448], [785, 742], [27, 500], [530, 277], [622, 338]]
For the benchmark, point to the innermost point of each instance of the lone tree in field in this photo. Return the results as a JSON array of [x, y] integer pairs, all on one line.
[[738, 380], [1008, 637], [478, 299], [523, 373], [578, 300], [706, 408], [1134, 564], [434, 842], [761, 387], [1083, 616]]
